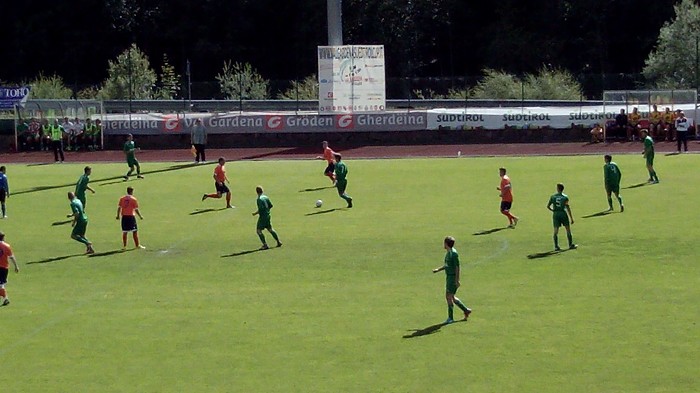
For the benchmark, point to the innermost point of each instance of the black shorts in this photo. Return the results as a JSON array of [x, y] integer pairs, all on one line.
[[129, 224], [3, 276], [329, 169], [221, 188], [506, 205], [3, 195]]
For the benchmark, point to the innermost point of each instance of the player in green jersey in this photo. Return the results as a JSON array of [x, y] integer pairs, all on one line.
[[82, 185], [263, 213], [451, 268], [131, 161], [559, 205], [341, 173], [648, 153], [613, 175], [80, 222]]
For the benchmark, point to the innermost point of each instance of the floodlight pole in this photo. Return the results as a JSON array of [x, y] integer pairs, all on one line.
[[335, 22]]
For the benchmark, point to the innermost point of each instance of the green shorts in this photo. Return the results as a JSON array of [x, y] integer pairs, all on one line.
[[80, 228], [263, 223], [612, 188], [559, 219], [341, 185], [82, 199], [650, 159], [132, 161], [450, 285]]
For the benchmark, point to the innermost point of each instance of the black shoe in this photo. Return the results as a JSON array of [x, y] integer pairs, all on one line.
[[279, 244], [6, 302], [350, 203], [557, 249], [573, 246], [264, 247]]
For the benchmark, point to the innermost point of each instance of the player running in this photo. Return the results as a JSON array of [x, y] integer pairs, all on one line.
[[263, 213], [80, 222], [559, 205], [4, 191], [648, 154], [5, 257], [506, 198], [451, 268], [328, 154], [128, 205], [613, 175], [220, 181], [131, 161], [341, 173]]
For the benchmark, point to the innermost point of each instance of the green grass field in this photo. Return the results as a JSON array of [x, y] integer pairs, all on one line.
[[199, 311]]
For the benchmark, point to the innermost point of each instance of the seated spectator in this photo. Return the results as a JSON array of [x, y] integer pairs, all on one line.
[[91, 133], [597, 134], [667, 123], [619, 126], [77, 134], [45, 135], [22, 135], [632, 124], [34, 132], [655, 118]]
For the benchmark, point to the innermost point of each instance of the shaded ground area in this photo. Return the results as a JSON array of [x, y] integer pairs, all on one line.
[[402, 151]]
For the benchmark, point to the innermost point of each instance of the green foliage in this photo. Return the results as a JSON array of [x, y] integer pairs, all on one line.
[[242, 81], [327, 312], [548, 84], [89, 93], [129, 73], [673, 63], [306, 89], [48, 88], [168, 81]]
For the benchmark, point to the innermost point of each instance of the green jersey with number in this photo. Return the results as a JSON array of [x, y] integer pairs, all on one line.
[[612, 173], [558, 202], [129, 148], [341, 171], [648, 145], [451, 262], [77, 207], [82, 185]]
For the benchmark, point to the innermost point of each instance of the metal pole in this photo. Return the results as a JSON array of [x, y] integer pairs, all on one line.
[[335, 22], [189, 84]]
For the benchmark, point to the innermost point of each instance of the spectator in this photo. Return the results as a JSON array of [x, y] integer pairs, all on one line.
[[90, 132], [621, 123], [56, 131], [667, 123], [45, 134], [77, 134], [22, 135], [682, 129], [35, 134], [199, 140], [632, 124], [597, 134], [655, 118]]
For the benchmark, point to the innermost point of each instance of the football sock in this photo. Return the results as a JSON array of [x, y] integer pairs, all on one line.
[[228, 199], [274, 235], [655, 177], [610, 202], [619, 199], [82, 239], [213, 196], [556, 241], [136, 239], [129, 173], [3, 209], [3, 293], [461, 305], [346, 197], [262, 238], [450, 311], [124, 238], [569, 238]]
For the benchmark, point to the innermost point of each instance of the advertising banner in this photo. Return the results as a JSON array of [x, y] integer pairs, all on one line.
[[11, 96], [351, 79], [158, 124]]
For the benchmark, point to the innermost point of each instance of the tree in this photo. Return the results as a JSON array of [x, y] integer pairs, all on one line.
[[674, 61], [168, 81], [548, 84], [49, 88], [242, 81], [306, 89], [130, 77]]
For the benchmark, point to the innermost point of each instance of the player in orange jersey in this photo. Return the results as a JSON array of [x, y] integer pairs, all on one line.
[[128, 205], [328, 154], [5, 257], [506, 198], [220, 180]]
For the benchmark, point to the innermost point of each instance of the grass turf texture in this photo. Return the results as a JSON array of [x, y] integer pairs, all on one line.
[[198, 311]]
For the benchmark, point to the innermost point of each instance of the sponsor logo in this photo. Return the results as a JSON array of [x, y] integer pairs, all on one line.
[[274, 122], [14, 92], [345, 122], [171, 124]]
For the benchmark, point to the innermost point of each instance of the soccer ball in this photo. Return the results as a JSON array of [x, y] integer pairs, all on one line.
[[319, 203]]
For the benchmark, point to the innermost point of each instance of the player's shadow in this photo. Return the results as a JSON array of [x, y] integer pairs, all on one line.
[[238, 254], [546, 254], [489, 231], [57, 223], [106, 253], [636, 185], [39, 164], [599, 214], [428, 330], [322, 212], [207, 210], [675, 153], [316, 189], [55, 259]]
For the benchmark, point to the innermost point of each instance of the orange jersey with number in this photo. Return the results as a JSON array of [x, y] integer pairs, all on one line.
[[506, 192], [128, 204], [5, 253]]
